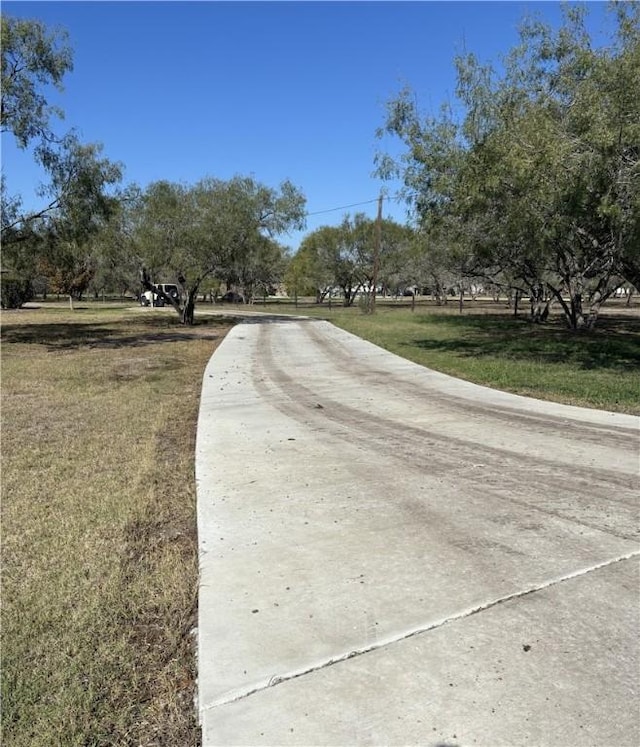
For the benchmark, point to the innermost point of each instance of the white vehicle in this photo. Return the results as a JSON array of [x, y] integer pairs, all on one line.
[[149, 298]]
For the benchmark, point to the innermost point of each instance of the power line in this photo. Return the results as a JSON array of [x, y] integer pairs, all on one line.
[[395, 197], [342, 207]]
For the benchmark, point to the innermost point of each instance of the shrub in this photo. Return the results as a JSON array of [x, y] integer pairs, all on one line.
[[14, 292]]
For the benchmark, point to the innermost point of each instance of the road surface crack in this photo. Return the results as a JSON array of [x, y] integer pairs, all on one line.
[[277, 679]]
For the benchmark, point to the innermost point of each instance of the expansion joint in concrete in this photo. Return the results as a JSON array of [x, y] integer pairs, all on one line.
[[241, 693]]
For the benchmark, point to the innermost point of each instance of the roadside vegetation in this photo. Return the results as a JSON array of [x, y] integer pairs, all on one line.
[[99, 557], [99, 560], [527, 186]]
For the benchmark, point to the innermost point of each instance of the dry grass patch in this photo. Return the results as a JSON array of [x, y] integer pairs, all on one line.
[[99, 556]]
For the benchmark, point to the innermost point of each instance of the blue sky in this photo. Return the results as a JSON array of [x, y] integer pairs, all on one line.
[[291, 90]]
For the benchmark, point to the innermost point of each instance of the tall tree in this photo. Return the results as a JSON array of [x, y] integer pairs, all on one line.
[[83, 205], [31, 58], [115, 256], [538, 183], [54, 238], [215, 228]]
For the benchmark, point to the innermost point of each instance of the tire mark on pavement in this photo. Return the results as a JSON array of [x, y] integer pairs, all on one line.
[[593, 432], [502, 474]]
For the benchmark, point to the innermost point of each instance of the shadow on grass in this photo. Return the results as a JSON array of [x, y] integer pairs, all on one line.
[[614, 344], [114, 334]]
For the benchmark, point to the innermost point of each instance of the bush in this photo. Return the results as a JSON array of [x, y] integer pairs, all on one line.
[[14, 292]]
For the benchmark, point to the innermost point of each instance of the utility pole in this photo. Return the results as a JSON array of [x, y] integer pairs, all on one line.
[[376, 256]]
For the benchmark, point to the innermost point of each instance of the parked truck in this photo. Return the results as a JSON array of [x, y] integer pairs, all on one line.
[[149, 298]]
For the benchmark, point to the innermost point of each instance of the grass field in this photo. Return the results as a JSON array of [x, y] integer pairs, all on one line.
[[99, 560], [600, 370]]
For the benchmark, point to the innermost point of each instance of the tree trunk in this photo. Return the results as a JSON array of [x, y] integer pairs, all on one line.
[[189, 307], [540, 303], [576, 319], [595, 303], [540, 311]]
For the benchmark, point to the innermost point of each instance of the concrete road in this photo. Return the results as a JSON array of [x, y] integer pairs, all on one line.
[[390, 556]]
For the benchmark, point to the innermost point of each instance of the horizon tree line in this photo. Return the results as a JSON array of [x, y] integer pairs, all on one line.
[[533, 192]]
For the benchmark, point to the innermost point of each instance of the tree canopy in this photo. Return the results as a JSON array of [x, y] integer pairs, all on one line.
[[537, 186], [216, 228], [32, 57], [51, 241], [344, 257], [534, 188]]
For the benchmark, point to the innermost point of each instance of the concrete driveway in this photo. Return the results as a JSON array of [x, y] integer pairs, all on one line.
[[390, 556]]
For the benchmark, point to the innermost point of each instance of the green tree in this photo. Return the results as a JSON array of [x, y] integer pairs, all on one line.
[[397, 270], [79, 189], [300, 279], [316, 261], [568, 136], [31, 57], [263, 268], [343, 256], [537, 185], [114, 251], [19, 243], [214, 229], [55, 239], [333, 259]]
